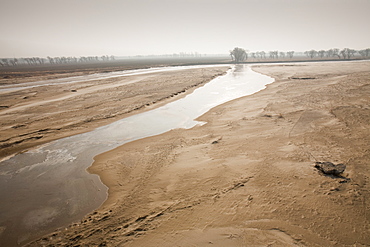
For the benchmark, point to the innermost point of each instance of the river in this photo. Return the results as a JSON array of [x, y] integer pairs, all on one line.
[[49, 187]]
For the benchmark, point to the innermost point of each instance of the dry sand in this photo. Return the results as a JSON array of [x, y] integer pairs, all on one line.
[[247, 177]]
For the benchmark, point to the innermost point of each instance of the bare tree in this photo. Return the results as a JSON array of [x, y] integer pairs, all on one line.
[[51, 60], [347, 53], [261, 54], [329, 53], [310, 53], [321, 53], [238, 55], [273, 54], [106, 57], [13, 62], [364, 52], [290, 54], [352, 53], [336, 52], [5, 62], [40, 60]]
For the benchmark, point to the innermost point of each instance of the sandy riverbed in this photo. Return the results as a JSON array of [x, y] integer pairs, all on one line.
[[246, 178], [38, 115]]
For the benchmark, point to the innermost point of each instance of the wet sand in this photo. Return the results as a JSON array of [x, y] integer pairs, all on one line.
[[53, 104], [247, 177], [34, 116]]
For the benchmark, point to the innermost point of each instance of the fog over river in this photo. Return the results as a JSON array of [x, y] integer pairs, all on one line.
[[49, 187]]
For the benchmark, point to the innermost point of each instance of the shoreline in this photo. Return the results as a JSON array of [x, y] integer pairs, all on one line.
[[247, 173], [100, 158], [167, 87], [107, 177], [244, 172], [138, 97]]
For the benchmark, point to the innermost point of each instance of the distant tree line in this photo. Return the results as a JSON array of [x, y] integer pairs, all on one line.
[[185, 54], [53, 60], [239, 54], [345, 53], [175, 55]]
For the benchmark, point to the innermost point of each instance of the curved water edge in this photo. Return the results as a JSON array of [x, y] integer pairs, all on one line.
[[49, 187], [97, 76]]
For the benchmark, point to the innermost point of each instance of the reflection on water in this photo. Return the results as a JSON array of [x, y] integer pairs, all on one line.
[[49, 187]]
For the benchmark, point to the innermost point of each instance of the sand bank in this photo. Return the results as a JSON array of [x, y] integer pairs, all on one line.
[[33, 116], [247, 177]]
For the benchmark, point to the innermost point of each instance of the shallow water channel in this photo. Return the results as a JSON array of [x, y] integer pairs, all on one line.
[[91, 77], [49, 187]]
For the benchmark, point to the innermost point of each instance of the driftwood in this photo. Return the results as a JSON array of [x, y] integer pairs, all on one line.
[[329, 168]]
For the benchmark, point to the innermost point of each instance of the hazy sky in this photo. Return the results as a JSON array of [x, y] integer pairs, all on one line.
[[142, 27]]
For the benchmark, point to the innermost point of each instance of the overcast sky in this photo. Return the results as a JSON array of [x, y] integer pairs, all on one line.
[[143, 27]]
